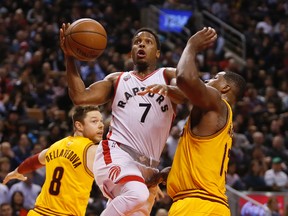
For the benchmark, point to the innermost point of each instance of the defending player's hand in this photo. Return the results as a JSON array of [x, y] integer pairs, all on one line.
[[155, 88], [160, 177], [202, 39], [14, 175]]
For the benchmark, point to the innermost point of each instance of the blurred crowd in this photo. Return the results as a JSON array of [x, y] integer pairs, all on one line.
[[35, 106]]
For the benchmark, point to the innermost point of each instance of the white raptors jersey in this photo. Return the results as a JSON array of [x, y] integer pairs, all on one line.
[[142, 122]]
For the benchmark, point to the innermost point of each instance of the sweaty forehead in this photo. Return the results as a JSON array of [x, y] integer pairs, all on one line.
[[145, 34]]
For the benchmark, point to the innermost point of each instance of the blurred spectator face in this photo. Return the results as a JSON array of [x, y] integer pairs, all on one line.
[[18, 198], [6, 149], [6, 210], [252, 129], [278, 142], [277, 167], [43, 141], [13, 116], [271, 107], [257, 153], [37, 149], [24, 141], [258, 137], [5, 164]]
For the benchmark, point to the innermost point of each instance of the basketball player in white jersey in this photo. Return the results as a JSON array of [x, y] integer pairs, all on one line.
[[139, 127]]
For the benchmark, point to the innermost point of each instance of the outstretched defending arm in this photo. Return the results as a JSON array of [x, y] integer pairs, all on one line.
[[28, 165]]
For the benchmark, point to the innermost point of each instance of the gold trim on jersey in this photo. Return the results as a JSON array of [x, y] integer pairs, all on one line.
[[199, 194], [85, 159], [218, 132], [48, 212]]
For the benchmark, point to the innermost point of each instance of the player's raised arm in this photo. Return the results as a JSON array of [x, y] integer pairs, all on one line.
[[187, 73], [98, 93]]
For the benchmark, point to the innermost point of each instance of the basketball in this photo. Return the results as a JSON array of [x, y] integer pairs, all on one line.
[[85, 39]]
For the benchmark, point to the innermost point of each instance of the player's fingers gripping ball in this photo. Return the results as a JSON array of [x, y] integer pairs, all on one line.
[[85, 39]]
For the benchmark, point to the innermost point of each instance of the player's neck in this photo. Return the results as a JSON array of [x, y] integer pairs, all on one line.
[[141, 71], [77, 133]]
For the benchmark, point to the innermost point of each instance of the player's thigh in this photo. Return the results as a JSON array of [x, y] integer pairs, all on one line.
[[198, 207], [114, 163]]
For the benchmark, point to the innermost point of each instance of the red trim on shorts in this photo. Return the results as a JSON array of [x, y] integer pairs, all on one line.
[[106, 152], [130, 178], [108, 193]]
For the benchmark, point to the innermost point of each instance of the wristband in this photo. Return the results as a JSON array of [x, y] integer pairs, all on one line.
[[29, 164]]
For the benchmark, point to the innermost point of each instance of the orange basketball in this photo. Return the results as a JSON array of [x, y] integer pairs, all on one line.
[[85, 39]]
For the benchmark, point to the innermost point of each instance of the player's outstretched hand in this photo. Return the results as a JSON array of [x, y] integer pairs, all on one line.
[[160, 177], [155, 88], [14, 175], [202, 39], [63, 29]]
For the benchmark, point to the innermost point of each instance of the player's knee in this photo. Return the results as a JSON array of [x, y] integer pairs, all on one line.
[[138, 193]]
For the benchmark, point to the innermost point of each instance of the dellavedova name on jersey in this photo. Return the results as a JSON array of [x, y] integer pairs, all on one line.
[[66, 153]]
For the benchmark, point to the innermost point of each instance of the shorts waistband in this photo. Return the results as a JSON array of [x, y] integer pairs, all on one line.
[[143, 159]]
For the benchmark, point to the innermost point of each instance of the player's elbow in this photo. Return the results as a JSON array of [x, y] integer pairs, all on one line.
[[76, 99]]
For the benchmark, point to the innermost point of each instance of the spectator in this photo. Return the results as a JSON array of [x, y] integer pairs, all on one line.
[[258, 142], [6, 151], [4, 192], [220, 9], [254, 179], [232, 178], [5, 167], [278, 148], [6, 209], [17, 203], [270, 208], [265, 25], [275, 177], [28, 188], [172, 141], [22, 149]]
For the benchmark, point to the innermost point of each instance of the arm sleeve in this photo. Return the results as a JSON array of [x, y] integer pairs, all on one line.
[[30, 164]]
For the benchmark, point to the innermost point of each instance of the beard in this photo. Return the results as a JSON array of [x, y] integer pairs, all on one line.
[[142, 66]]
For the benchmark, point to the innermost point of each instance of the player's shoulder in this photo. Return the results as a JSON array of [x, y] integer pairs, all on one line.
[[170, 69], [92, 148], [112, 77], [170, 72]]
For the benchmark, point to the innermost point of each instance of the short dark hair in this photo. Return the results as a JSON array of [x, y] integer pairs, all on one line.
[[238, 81], [151, 31], [79, 112]]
